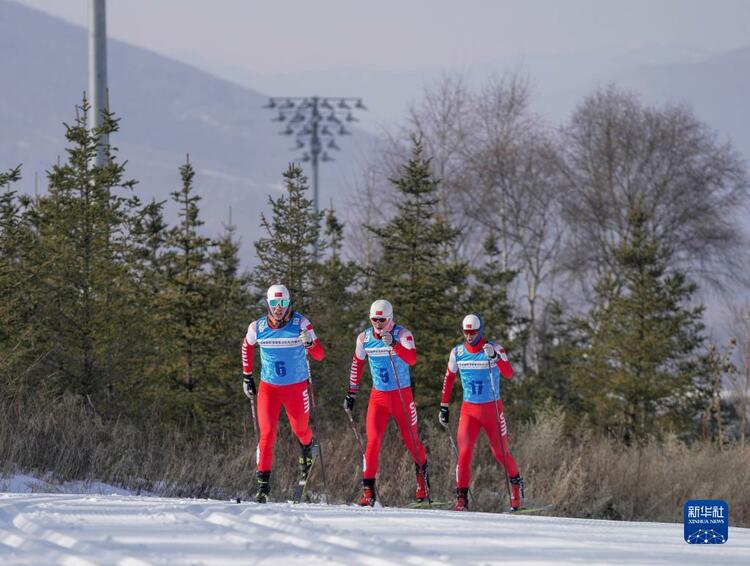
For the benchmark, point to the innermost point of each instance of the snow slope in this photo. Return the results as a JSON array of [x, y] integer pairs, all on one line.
[[130, 531]]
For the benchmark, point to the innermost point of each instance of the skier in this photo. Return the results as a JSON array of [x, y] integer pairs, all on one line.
[[285, 338], [478, 361], [388, 346]]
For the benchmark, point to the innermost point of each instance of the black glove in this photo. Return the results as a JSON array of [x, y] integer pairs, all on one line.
[[248, 385], [349, 401], [444, 415]]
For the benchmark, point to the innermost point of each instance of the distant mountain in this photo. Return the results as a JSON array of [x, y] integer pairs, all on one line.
[[715, 85], [167, 109], [717, 88]]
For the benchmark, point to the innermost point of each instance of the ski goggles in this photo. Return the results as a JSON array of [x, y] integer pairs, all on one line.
[[273, 303]]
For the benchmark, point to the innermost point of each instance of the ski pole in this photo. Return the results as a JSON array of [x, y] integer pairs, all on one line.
[[254, 417], [408, 416], [500, 429], [455, 453], [255, 430], [356, 433], [353, 426], [453, 442], [312, 411]]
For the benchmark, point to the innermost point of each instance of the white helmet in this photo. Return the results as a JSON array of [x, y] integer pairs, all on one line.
[[277, 292], [381, 309], [471, 322]]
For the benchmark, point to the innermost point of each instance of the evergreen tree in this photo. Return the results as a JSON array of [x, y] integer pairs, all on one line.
[[560, 341], [337, 315], [415, 272], [81, 285], [489, 296], [150, 235], [148, 266], [231, 302], [182, 311], [8, 177], [287, 253], [15, 239], [639, 370]]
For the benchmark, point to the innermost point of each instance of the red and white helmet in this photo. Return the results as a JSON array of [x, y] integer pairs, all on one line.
[[276, 292], [471, 322], [381, 309]]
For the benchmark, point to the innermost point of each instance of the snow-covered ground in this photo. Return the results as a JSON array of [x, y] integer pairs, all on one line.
[[69, 529], [24, 483]]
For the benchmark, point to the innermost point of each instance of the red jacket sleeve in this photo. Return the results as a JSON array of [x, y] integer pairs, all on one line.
[[247, 356], [358, 364], [448, 381], [316, 351], [409, 355], [503, 364], [355, 374]]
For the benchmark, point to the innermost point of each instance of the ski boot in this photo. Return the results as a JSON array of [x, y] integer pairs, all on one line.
[[368, 496], [516, 492], [263, 481], [308, 453], [423, 483], [462, 499]]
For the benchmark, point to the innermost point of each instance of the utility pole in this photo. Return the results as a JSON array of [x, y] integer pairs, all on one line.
[[315, 121], [98, 70]]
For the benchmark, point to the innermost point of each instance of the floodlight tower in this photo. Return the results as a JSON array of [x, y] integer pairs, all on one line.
[[98, 70], [315, 121]]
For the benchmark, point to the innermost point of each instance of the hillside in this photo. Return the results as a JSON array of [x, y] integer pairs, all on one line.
[[167, 109]]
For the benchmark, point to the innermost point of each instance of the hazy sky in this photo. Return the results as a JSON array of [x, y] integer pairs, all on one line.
[[399, 35]]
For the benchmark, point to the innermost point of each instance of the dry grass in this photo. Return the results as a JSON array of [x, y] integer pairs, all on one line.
[[586, 477]]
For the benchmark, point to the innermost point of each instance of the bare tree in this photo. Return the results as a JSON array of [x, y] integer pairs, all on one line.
[[445, 118], [618, 153], [498, 171], [366, 207], [515, 187], [739, 377]]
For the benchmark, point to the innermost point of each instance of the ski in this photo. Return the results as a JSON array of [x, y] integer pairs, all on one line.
[[428, 505], [527, 510], [299, 489]]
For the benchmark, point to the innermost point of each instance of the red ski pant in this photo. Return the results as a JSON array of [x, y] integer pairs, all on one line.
[[476, 417], [296, 402], [382, 406]]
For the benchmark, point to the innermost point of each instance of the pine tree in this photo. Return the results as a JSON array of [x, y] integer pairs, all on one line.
[[639, 370], [337, 315], [150, 236], [489, 296], [560, 341], [182, 311], [81, 282], [231, 301], [15, 239], [288, 252], [426, 288], [148, 268]]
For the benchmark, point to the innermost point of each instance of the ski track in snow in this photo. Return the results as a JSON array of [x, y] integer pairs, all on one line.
[[82, 530]]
